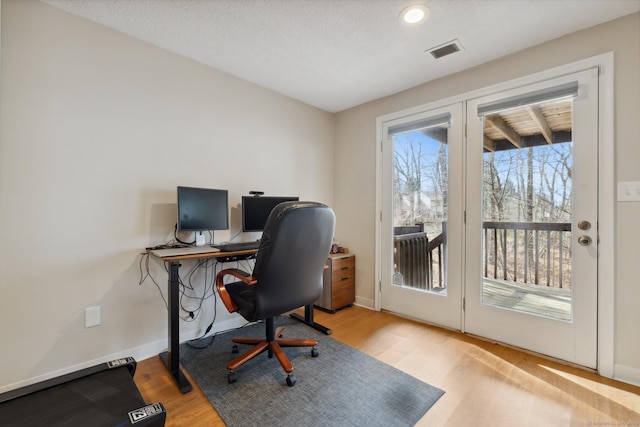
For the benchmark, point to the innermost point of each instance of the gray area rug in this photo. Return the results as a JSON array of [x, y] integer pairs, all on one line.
[[340, 387]]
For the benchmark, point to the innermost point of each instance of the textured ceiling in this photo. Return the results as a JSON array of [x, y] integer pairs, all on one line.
[[336, 54]]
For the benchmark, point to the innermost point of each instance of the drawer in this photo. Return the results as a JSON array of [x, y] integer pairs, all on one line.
[[343, 294], [344, 282], [341, 268], [346, 263], [337, 276]]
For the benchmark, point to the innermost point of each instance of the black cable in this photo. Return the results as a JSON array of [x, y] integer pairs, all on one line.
[[209, 290], [217, 266], [145, 257], [213, 337], [175, 236]]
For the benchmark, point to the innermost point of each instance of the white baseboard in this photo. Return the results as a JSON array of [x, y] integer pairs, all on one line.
[[626, 374], [139, 353], [365, 302]]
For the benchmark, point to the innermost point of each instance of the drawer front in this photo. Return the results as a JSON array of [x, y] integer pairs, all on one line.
[[343, 293], [342, 267], [343, 283]]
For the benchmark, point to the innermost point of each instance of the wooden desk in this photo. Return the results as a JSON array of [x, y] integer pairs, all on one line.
[[171, 357]]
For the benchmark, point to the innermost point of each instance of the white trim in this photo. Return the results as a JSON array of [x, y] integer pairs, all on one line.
[[138, 353], [606, 216], [627, 374], [365, 302], [378, 215], [142, 352], [606, 183]]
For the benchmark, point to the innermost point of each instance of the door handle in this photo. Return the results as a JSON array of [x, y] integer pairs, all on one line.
[[584, 240], [584, 225]]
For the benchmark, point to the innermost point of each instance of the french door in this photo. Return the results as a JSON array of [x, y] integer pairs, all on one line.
[[495, 232], [532, 217], [422, 209]]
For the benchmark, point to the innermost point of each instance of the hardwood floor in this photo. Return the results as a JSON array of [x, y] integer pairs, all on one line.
[[485, 384]]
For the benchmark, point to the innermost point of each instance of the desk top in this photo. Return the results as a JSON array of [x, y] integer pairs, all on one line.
[[158, 254]]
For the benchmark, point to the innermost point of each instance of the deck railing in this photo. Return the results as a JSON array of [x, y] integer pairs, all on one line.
[[526, 252]]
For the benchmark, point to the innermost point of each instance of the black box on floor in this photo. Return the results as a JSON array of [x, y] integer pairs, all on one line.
[[102, 395]]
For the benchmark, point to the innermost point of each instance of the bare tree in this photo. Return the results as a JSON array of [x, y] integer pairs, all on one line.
[[408, 182]]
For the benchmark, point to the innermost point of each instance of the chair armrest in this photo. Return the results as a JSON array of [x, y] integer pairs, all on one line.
[[222, 290]]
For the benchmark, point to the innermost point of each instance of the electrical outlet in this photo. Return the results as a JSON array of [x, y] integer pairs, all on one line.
[[629, 191], [92, 316]]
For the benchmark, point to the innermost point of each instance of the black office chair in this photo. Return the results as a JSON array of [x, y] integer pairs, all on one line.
[[287, 275]]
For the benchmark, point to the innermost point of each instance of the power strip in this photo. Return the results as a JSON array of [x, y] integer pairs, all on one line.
[[232, 258]]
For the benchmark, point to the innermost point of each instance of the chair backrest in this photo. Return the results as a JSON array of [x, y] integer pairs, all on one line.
[[295, 244]]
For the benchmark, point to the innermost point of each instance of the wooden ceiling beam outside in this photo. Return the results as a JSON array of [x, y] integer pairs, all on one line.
[[503, 127], [489, 144], [536, 115], [529, 126], [530, 141]]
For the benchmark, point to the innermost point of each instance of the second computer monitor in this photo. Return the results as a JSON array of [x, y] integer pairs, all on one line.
[[256, 210]]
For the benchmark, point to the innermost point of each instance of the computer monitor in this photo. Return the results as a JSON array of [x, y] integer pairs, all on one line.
[[202, 209], [256, 210]]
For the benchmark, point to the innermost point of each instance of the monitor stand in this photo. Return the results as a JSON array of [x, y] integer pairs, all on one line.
[[200, 239]]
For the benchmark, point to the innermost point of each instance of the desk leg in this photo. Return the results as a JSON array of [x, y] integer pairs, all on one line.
[[171, 357], [308, 319]]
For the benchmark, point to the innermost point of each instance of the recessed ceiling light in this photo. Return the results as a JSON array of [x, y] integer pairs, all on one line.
[[414, 14]]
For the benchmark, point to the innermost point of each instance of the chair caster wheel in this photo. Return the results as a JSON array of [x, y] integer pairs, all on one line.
[[232, 377], [234, 349], [314, 352], [291, 380]]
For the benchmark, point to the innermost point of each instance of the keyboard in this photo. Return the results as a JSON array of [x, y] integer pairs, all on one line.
[[184, 251], [239, 246]]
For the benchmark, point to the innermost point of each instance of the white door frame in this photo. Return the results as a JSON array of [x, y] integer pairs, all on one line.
[[606, 188]]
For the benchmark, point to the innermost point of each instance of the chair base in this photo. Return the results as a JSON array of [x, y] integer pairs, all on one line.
[[273, 344]]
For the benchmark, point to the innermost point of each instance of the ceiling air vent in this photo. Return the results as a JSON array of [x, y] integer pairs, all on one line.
[[445, 49]]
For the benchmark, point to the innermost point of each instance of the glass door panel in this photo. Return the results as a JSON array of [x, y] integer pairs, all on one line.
[[420, 188], [527, 209]]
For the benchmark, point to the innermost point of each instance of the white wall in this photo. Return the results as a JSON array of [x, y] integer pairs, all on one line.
[[356, 145], [97, 129]]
